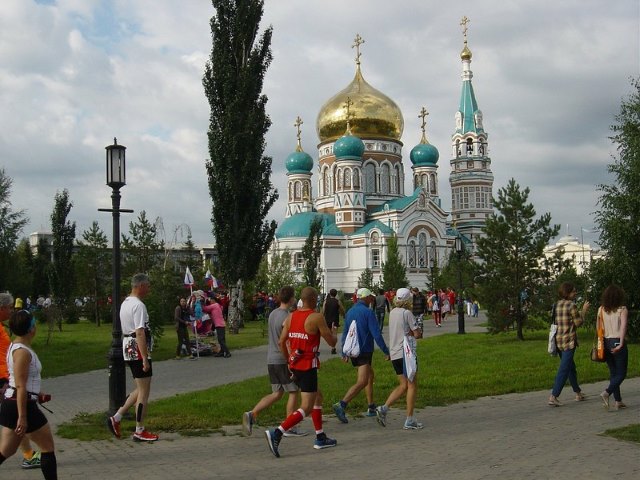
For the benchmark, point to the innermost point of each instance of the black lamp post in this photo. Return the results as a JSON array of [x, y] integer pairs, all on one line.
[[116, 179], [460, 251]]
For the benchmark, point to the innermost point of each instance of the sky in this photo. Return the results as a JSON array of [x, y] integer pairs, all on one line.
[[549, 77]]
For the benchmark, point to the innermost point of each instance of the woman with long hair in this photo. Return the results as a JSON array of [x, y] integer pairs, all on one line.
[[613, 315], [568, 320], [19, 412]]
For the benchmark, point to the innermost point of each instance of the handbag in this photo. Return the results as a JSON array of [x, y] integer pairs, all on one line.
[[552, 347], [597, 351]]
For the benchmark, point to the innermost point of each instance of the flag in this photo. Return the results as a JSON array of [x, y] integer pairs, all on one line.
[[188, 278], [208, 279]]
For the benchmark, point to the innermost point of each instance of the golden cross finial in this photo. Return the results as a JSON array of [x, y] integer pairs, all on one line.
[[347, 107], [297, 125], [423, 116], [464, 22], [356, 44]]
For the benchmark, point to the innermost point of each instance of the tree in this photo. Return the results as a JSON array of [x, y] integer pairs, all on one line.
[[239, 175], [511, 253], [448, 275], [394, 272], [93, 264], [365, 280], [311, 254], [22, 270], [11, 224], [280, 273], [143, 248], [618, 217], [61, 271], [41, 264]]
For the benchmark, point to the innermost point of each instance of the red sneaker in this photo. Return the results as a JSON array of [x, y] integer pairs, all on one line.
[[114, 427], [145, 436]]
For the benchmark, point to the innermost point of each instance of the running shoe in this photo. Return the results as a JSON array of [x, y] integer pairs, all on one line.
[[114, 426], [324, 442], [145, 436], [339, 411], [412, 425], [247, 423], [371, 412], [33, 462], [295, 432], [273, 439], [381, 415]]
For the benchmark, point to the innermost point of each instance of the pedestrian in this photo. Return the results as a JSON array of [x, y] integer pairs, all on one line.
[[419, 305], [215, 310], [332, 309], [279, 374], [182, 318], [402, 324], [382, 306], [368, 331], [300, 342], [19, 412], [614, 314], [30, 458], [568, 320], [136, 350], [435, 309]]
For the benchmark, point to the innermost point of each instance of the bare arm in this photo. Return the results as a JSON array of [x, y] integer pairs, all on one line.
[[21, 360], [284, 336], [141, 340], [329, 335], [624, 314]]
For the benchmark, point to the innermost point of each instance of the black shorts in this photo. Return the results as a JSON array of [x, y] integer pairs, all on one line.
[[9, 415], [307, 380], [364, 358], [137, 371], [398, 366]]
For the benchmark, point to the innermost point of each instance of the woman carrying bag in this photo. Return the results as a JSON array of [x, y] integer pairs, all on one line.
[[614, 318]]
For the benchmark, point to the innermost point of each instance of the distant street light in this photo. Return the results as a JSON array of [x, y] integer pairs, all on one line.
[[459, 247], [116, 179]]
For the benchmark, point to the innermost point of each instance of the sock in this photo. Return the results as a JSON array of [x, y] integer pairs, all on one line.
[[343, 404], [117, 417], [292, 420], [139, 412], [372, 406], [49, 466], [2, 458], [139, 429], [316, 416], [27, 454]]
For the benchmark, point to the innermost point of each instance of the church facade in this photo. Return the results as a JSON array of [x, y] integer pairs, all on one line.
[[360, 186]]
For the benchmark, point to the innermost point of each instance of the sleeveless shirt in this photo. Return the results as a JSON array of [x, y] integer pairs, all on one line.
[[304, 346], [35, 367]]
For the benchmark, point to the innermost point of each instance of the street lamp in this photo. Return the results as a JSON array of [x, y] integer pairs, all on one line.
[[116, 179], [460, 250]]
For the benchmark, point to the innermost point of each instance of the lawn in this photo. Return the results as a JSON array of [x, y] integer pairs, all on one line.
[[452, 368]]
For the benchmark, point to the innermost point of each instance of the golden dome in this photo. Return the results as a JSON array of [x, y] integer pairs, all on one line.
[[372, 114], [466, 53]]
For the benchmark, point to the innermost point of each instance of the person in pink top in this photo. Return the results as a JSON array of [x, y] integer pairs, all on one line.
[[214, 309]]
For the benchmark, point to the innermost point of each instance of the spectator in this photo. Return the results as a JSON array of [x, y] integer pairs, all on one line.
[[332, 309], [382, 306]]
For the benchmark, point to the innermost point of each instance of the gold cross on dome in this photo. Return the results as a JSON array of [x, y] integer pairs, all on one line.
[[347, 107], [356, 44], [464, 22], [423, 116], [297, 125]]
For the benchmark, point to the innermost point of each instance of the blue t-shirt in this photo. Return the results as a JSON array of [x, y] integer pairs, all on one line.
[[367, 325]]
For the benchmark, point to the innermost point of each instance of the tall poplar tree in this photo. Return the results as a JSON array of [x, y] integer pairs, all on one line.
[[511, 251], [11, 224], [311, 253], [394, 271], [239, 173]]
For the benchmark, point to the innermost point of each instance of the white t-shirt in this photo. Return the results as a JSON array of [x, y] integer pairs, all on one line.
[[401, 322], [133, 315], [33, 376]]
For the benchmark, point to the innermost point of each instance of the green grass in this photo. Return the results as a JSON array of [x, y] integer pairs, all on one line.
[[91, 343], [630, 433], [452, 368]]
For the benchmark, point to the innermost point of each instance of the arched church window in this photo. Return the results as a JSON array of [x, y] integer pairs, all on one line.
[[458, 152], [305, 191], [432, 185], [291, 192], [325, 181], [469, 146], [422, 250], [347, 178], [411, 253], [385, 179], [399, 179], [297, 195], [339, 181], [375, 237], [424, 181], [433, 254], [356, 178], [369, 178]]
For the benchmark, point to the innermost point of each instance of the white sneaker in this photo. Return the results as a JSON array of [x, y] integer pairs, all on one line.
[[412, 425]]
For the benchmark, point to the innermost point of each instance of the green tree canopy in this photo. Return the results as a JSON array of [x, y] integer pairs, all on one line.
[[511, 253], [394, 271], [11, 224], [142, 248], [93, 270], [311, 254]]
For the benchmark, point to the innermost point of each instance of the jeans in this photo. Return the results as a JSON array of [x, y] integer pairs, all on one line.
[[220, 334], [183, 339], [380, 316], [567, 369], [617, 367]]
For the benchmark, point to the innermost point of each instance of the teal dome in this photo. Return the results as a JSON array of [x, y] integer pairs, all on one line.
[[424, 154], [299, 162], [348, 147], [299, 225]]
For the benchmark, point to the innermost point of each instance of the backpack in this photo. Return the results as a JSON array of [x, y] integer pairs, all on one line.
[[351, 347]]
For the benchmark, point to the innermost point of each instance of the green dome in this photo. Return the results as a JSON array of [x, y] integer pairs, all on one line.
[[348, 147], [299, 162], [299, 225], [424, 154]]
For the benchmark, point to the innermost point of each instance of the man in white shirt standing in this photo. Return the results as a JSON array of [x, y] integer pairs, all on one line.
[[136, 348]]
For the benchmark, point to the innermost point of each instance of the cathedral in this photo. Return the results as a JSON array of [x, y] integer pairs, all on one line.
[[360, 186]]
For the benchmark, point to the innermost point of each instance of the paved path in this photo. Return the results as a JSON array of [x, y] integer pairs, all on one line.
[[507, 437]]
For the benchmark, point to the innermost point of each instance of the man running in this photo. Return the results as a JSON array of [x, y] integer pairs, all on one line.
[[300, 341]]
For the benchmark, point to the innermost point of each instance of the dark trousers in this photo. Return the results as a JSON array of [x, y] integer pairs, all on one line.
[[183, 339], [220, 333], [617, 367]]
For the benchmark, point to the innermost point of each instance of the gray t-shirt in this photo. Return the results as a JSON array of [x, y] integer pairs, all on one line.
[[276, 321], [401, 322]]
